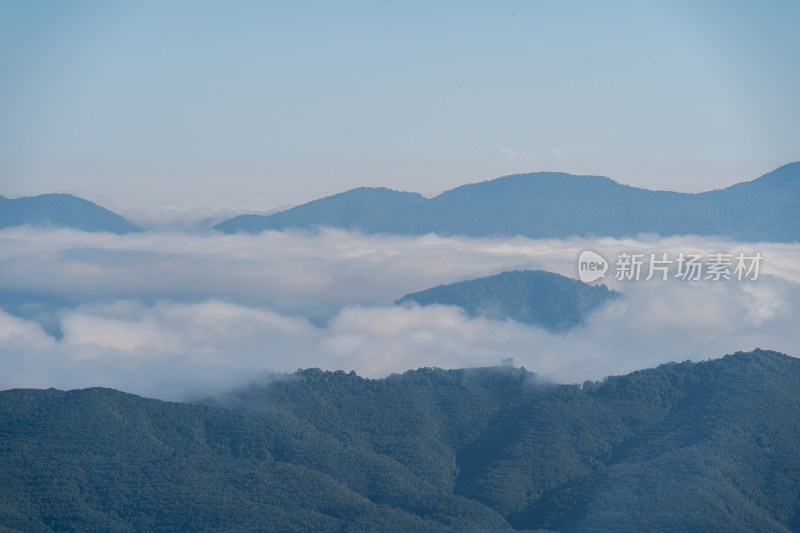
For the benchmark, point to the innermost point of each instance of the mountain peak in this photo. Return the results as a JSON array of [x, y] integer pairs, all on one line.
[[61, 211], [536, 297]]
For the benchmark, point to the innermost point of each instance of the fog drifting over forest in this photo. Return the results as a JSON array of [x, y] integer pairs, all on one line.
[[175, 315]]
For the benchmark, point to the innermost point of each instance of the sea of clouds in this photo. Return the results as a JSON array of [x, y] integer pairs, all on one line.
[[179, 315]]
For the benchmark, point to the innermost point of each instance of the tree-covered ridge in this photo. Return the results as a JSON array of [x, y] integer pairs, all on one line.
[[710, 446], [61, 211], [556, 205], [535, 297]]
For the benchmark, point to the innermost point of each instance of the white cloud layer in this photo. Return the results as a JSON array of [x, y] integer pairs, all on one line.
[[176, 315]]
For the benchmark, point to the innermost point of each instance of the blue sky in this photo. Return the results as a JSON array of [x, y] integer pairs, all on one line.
[[256, 105]]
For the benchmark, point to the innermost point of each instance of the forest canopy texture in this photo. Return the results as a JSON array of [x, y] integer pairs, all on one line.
[[708, 446]]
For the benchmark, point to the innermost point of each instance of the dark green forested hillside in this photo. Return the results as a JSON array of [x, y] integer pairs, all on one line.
[[711, 446], [536, 297]]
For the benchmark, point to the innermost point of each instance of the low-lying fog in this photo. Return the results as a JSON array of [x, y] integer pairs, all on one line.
[[176, 315]]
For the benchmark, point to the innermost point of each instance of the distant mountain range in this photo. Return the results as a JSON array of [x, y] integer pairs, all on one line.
[[535, 297], [61, 211], [708, 447], [555, 205], [538, 205]]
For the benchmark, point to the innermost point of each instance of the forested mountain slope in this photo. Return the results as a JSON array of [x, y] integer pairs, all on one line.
[[709, 446], [535, 297]]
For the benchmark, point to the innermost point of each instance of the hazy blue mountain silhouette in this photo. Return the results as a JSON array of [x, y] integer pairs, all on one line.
[[365, 207], [61, 211], [556, 205], [536, 297]]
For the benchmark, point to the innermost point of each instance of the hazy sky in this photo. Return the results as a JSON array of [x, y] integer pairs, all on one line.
[[257, 105]]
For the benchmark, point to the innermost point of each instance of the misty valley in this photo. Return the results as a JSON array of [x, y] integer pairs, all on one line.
[[375, 360], [399, 267]]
